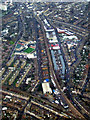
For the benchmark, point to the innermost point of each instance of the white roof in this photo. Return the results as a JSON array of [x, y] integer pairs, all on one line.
[[48, 30], [3, 7], [27, 81], [8, 96], [60, 30], [4, 108], [69, 46], [56, 47], [56, 102], [45, 21], [46, 87], [54, 37], [31, 55], [70, 37], [53, 41], [47, 35]]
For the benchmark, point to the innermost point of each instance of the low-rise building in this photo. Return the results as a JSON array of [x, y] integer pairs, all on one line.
[[46, 88]]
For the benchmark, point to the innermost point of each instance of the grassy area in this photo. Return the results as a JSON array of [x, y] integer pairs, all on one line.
[[14, 83], [12, 55], [12, 65], [29, 50], [39, 87], [11, 42]]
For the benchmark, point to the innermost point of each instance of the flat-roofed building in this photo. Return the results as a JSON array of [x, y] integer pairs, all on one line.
[[3, 7], [46, 88]]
